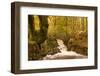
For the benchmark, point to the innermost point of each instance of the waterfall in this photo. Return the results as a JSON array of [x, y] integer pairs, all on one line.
[[61, 47], [64, 53]]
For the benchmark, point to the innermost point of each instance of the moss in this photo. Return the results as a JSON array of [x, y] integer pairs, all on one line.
[[78, 43]]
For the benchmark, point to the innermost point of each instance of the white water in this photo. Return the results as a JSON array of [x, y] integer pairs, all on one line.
[[64, 54]]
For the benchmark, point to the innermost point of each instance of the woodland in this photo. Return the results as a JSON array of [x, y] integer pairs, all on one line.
[[44, 30]]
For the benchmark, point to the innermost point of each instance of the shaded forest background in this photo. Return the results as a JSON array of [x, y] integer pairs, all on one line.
[[44, 30]]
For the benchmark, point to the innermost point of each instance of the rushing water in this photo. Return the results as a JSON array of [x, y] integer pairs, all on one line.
[[64, 53]]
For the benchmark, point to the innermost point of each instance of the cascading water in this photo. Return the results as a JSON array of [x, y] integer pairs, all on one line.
[[63, 54]]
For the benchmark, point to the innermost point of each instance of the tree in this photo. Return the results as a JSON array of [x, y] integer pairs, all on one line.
[[41, 35], [31, 26]]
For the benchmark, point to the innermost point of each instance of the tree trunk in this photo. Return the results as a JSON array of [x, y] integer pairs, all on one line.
[[43, 29], [31, 24]]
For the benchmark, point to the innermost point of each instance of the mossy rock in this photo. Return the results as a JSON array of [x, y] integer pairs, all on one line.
[[50, 46], [79, 43]]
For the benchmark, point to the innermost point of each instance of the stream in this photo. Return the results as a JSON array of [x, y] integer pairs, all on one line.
[[64, 53]]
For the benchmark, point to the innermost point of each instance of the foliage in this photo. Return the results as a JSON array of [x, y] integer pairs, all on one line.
[[79, 43]]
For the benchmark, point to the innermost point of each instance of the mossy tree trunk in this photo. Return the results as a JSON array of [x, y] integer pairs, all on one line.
[[31, 25], [43, 29], [40, 35]]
